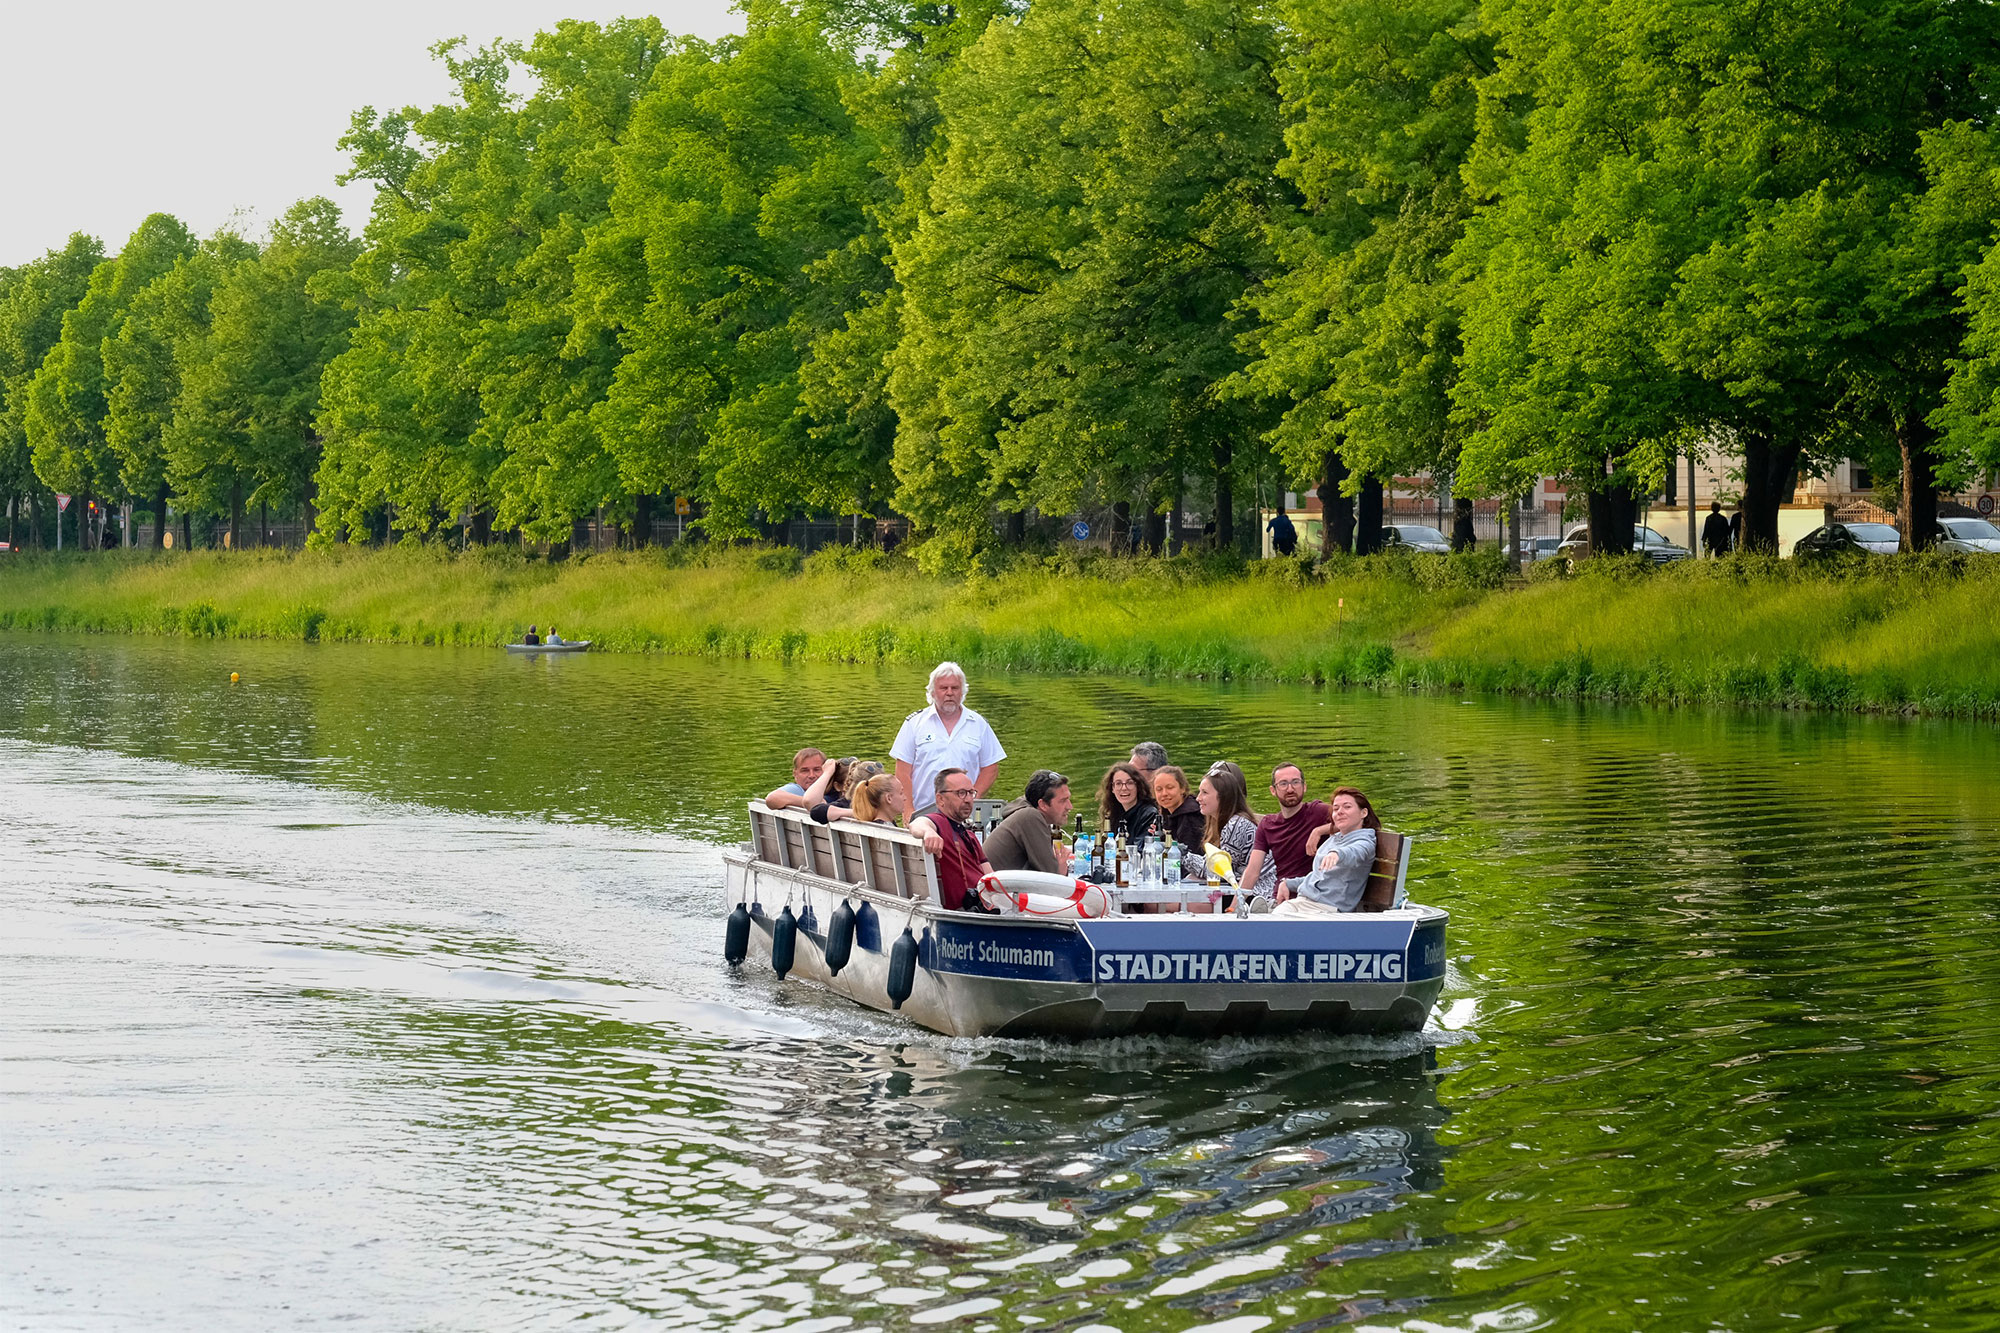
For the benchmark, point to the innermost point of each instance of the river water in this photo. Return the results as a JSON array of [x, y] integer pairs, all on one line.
[[382, 990]]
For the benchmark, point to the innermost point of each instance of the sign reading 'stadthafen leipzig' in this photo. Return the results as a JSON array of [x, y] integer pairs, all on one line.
[[1243, 966]]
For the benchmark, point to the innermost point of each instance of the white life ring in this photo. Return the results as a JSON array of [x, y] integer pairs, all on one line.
[[1038, 893]]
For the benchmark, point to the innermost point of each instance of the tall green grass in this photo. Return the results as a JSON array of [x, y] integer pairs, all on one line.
[[1909, 634]]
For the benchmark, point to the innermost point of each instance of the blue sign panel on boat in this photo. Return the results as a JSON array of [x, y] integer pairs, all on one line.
[[1033, 953], [1276, 952]]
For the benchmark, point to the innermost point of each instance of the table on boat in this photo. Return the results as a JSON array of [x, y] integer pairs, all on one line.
[[1189, 894]]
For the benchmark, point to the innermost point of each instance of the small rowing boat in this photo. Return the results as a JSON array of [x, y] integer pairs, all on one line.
[[549, 647], [853, 908]]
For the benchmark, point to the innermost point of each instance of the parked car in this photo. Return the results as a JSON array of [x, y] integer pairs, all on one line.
[[1536, 549], [1873, 538], [1968, 536], [1645, 541], [1415, 537]]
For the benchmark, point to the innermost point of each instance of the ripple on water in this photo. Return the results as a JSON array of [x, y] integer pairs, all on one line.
[[405, 1041]]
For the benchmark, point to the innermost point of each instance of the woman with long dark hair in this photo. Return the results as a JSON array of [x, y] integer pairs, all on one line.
[[1125, 803]]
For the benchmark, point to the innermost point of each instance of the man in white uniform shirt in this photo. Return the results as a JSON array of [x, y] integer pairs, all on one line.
[[945, 735]]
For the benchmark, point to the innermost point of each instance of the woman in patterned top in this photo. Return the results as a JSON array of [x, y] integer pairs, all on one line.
[[1228, 822]]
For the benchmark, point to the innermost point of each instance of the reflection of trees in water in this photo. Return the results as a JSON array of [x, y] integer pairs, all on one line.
[[593, 1161]]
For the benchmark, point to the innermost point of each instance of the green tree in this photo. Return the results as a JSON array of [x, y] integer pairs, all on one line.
[[1686, 223], [468, 383], [161, 333], [243, 419], [35, 298], [1358, 333], [740, 186], [66, 404], [1965, 198], [1067, 297]]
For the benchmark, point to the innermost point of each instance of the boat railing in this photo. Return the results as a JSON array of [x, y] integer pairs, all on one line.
[[878, 857]]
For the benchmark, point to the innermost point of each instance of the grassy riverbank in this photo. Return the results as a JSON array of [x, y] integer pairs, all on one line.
[[1908, 634]]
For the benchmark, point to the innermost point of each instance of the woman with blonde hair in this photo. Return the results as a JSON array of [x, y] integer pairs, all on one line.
[[878, 800]]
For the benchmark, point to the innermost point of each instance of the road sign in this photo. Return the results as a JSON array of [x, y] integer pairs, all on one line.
[[682, 507], [1985, 505], [62, 504], [1080, 530]]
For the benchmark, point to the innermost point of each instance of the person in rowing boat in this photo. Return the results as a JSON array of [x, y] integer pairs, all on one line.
[[961, 861], [1025, 837], [807, 765], [554, 638], [1341, 866], [944, 734], [1285, 839], [1125, 803], [532, 638]]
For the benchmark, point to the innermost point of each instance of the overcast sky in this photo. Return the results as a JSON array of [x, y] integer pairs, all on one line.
[[209, 109]]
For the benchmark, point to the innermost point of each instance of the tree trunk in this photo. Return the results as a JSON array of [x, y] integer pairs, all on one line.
[[1368, 517], [263, 523], [1770, 474], [1156, 532], [1176, 519], [13, 505], [160, 517], [1121, 527], [1516, 504], [641, 531], [187, 532], [1017, 528], [482, 526], [1225, 496], [1335, 509], [235, 515], [1670, 495], [1917, 510], [1613, 513]]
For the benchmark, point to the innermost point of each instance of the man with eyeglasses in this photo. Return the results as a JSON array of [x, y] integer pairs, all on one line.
[[1286, 838], [961, 861], [1025, 837]]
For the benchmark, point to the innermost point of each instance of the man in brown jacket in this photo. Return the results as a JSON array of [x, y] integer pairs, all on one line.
[[1024, 839]]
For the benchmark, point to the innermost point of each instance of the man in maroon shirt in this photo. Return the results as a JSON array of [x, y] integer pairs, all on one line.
[[961, 861], [1286, 836]]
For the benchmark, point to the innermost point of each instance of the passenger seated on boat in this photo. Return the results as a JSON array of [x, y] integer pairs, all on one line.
[[1025, 837], [1341, 866], [807, 765], [1180, 816], [878, 799], [1149, 757], [839, 802], [1230, 823], [531, 637], [554, 637], [961, 862], [828, 787], [1285, 839], [1125, 803]]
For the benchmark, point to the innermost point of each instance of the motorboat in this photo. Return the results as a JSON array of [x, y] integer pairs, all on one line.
[[854, 909], [564, 647]]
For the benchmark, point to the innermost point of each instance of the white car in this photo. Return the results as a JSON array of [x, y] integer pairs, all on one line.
[[1415, 537], [1969, 536]]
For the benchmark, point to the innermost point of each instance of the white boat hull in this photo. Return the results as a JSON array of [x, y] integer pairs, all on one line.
[[1195, 975]]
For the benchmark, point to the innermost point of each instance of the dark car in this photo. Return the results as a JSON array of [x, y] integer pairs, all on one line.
[[1415, 537]]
